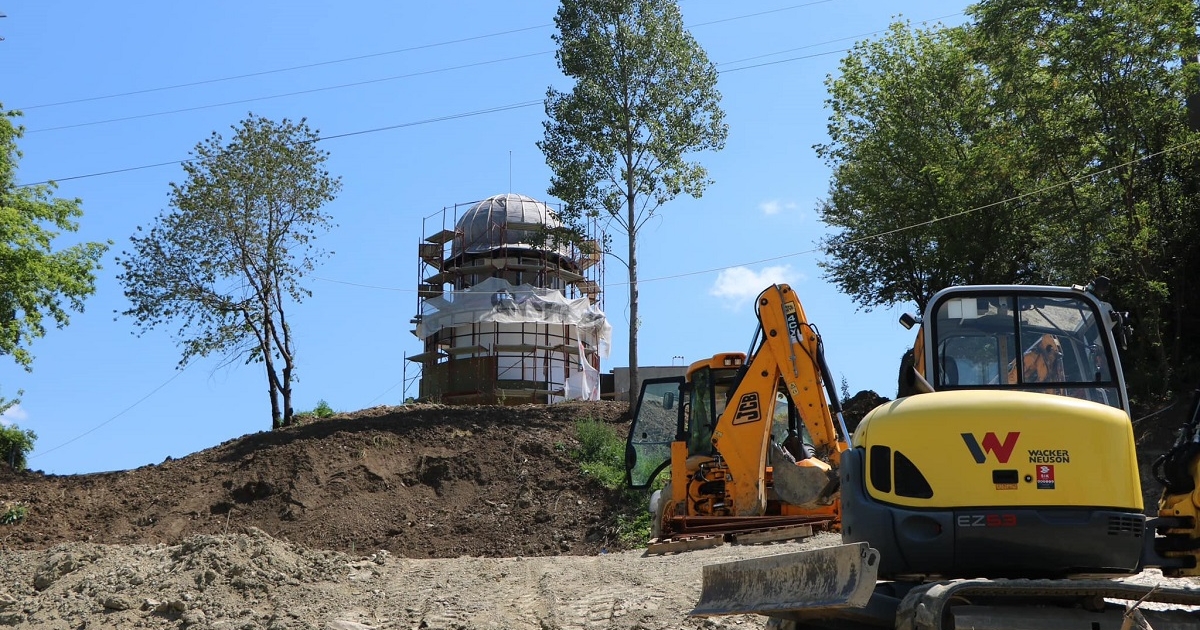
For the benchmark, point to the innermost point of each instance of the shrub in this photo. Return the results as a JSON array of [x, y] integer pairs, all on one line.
[[12, 513], [15, 444], [601, 453], [322, 410]]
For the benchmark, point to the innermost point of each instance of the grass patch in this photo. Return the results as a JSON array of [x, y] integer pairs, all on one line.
[[601, 456]]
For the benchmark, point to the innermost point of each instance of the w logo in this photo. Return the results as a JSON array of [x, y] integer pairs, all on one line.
[[991, 444]]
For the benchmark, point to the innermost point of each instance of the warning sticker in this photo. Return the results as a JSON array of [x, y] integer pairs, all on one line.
[[1045, 477]]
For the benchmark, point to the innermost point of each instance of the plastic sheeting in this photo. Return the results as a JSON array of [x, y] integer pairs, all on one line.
[[496, 300]]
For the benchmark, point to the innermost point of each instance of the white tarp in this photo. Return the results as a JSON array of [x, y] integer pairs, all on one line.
[[496, 300]]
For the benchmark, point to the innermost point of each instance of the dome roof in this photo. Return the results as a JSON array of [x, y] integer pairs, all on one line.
[[508, 220]]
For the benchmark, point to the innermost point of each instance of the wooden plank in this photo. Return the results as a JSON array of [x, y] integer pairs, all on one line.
[[773, 535], [657, 546], [443, 236]]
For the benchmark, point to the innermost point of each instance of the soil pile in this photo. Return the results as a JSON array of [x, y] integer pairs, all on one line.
[[419, 481], [423, 516]]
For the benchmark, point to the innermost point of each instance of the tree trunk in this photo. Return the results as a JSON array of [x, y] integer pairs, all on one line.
[[286, 388], [634, 324], [272, 379], [276, 422]]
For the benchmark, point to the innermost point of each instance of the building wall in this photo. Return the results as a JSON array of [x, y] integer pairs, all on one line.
[[620, 377]]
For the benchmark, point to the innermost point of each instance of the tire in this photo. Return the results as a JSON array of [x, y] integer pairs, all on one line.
[[659, 501]]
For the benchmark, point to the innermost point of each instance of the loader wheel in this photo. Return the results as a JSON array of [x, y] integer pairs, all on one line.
[[659, 501]]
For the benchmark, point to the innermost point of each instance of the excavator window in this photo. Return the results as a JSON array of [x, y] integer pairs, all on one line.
[[1048, 344], [706, 407]]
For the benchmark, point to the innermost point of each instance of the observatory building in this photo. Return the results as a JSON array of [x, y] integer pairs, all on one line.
[[507, 316]]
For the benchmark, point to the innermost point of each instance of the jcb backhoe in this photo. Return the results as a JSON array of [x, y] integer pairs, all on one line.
[[750, 440], [1003, 493]]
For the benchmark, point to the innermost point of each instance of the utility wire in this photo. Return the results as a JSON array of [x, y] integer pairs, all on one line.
[[288, 69], [369, 56], [452, 68], [274, 96], [398, 77], [426, 121], [869, 237], [387, 128], [117, 415]]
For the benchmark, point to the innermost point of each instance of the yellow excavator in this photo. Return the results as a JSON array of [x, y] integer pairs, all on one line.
[[750, 440], [1002, 493]]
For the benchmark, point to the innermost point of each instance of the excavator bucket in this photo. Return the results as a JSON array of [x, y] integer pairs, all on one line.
[[800, 485], [831, 578]]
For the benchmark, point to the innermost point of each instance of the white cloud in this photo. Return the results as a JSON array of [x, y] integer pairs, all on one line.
[[739, 285], [775, 206], [14, 415]]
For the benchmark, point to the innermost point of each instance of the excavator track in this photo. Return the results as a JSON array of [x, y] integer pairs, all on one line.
[[836, 588], [1001, 604]]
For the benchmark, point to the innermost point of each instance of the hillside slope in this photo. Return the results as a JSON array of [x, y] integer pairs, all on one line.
[[420, 481]]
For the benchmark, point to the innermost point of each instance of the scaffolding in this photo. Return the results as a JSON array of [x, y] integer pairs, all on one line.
[[506, 315]]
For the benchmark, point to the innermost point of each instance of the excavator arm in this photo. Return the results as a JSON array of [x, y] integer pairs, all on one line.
[[790, 353], [1178, 471]]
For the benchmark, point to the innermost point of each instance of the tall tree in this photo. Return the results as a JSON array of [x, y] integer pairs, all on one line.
[[1062, 128], [645, 96], [1098, 88], [913, 145], [37, 281], [228, 258]]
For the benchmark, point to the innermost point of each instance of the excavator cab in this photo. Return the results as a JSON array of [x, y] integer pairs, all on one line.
[[1054, 344]]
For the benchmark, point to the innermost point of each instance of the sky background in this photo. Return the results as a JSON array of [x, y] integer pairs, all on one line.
[[97, 83]]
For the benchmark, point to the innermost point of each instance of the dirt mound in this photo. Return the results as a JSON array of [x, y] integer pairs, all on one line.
[[419, 481], [855, 408]]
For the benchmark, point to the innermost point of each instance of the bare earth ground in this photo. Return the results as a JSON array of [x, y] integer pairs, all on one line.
[[405, 517]]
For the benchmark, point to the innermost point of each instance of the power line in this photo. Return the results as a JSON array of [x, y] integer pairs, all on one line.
[[288, 69], [869, 237], [453, 116], [478, 112], [368, 56], [114, 417], [274, 96], [425, 73]]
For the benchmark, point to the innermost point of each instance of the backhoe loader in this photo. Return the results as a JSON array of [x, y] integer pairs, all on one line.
[[1002, 493], [749, 439]]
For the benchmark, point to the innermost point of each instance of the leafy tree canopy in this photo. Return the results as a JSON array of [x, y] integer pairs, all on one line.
[[39, 282], [15, 445], [1040, 143], [228, 258]]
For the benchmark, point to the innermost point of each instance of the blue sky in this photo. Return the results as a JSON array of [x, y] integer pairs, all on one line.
[[96, 82]]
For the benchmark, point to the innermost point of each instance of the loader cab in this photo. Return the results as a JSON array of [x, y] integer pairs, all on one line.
[[682, 409], [709, 384], [1053, 340], [686, 410]]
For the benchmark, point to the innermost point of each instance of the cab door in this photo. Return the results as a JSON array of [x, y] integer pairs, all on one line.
[[657, 422]]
